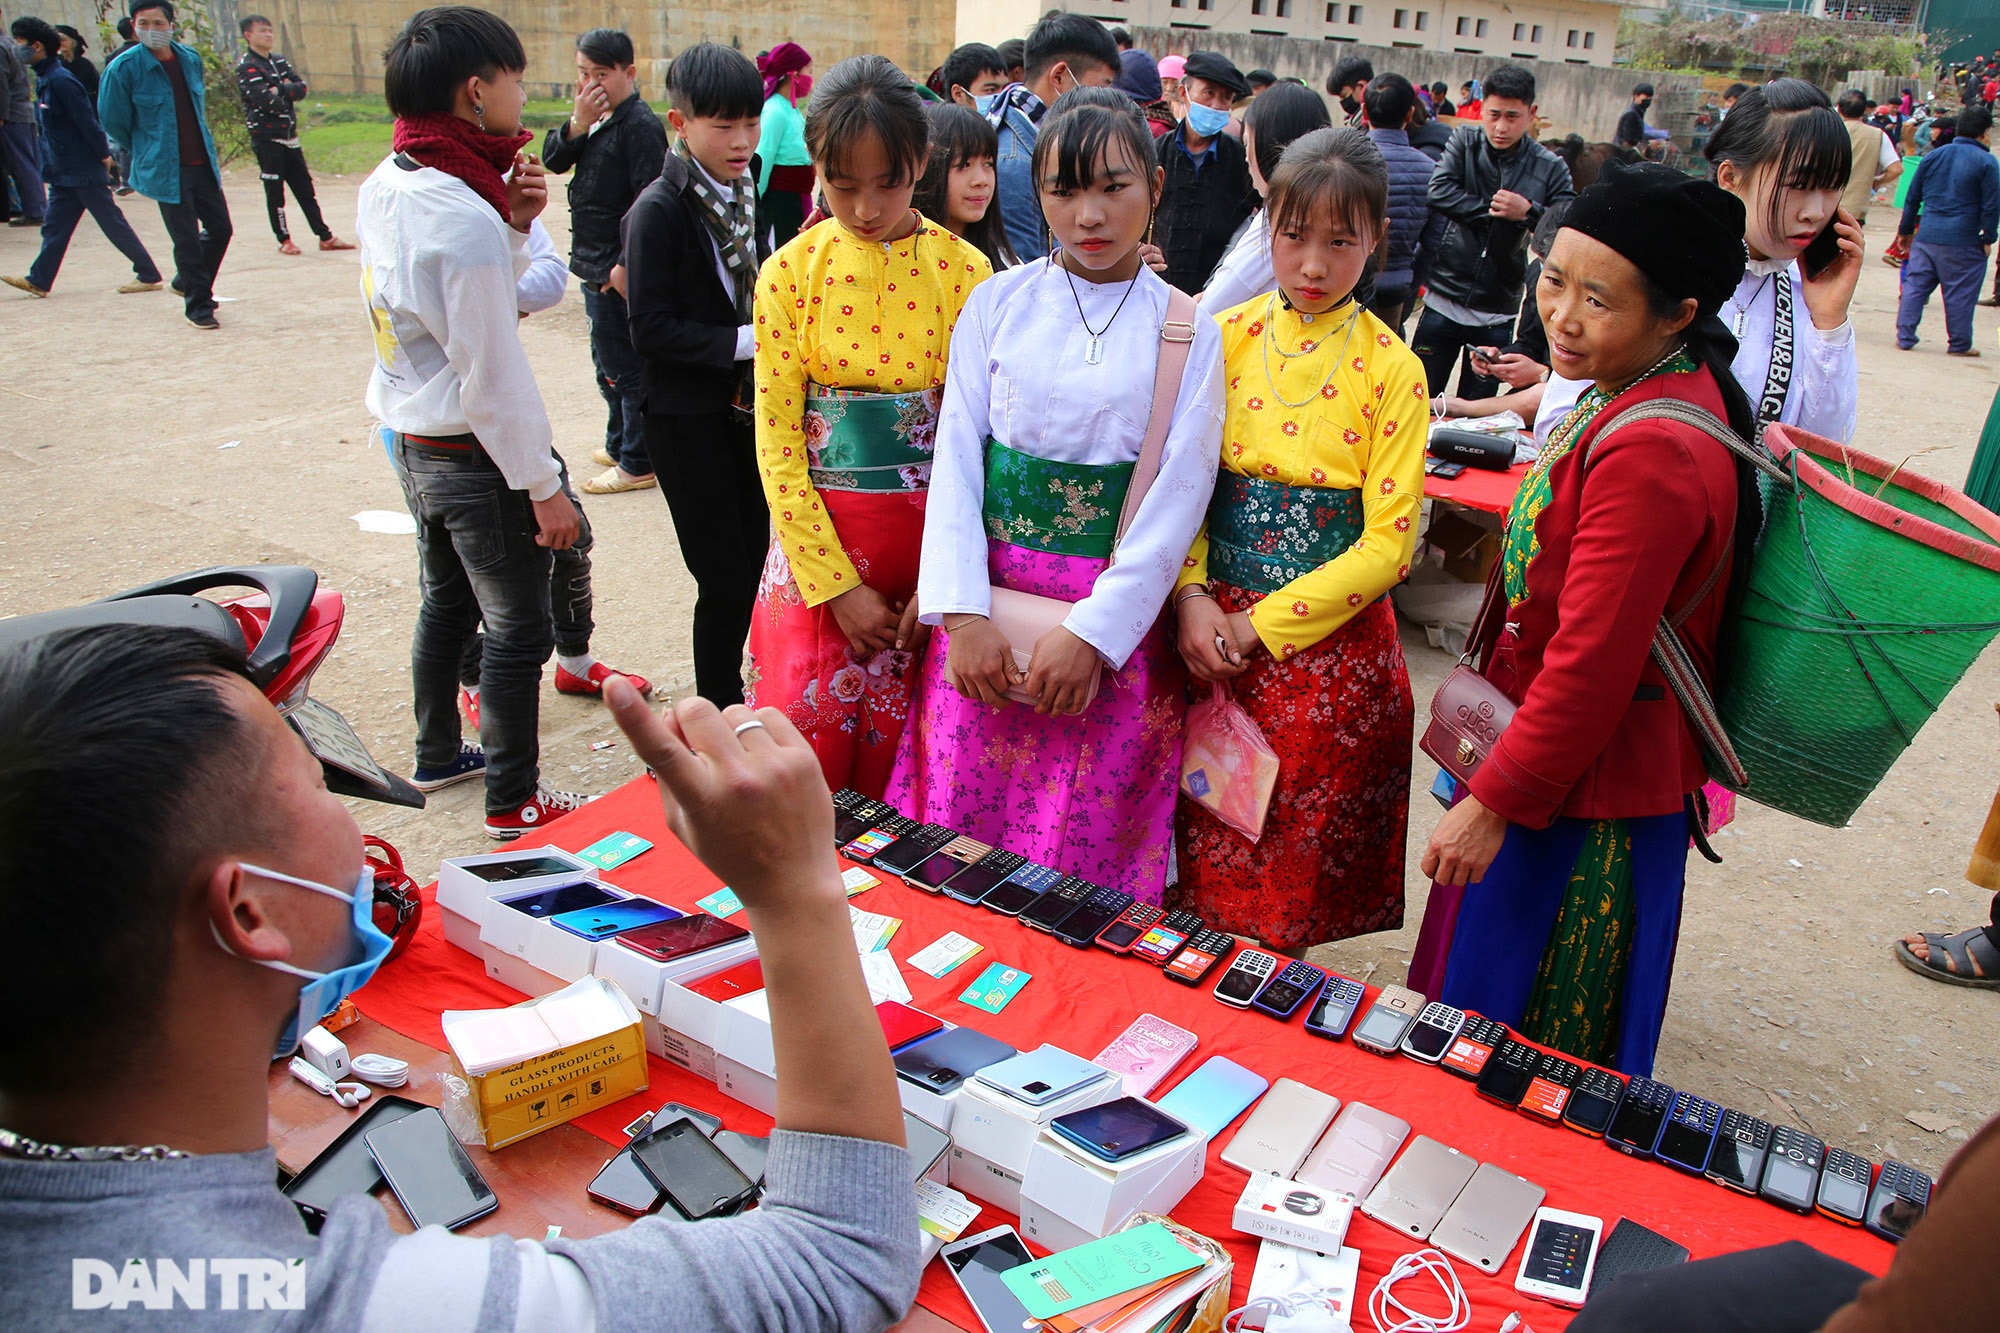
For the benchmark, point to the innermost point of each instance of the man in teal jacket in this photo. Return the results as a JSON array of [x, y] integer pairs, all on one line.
[[150, 100]]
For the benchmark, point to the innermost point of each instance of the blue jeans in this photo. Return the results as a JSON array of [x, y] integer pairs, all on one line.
[[621, 378], [478, 563], [67, 205], [1959, 270]]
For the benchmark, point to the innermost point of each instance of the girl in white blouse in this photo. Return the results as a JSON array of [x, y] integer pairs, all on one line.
[[1050, 389]]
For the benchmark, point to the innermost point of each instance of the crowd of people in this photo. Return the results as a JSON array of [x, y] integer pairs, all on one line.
[[998, 414]]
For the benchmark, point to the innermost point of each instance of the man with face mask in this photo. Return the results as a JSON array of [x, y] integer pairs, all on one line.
[[1063, 51], [1631, 132], [19, 157], [1208, 191]]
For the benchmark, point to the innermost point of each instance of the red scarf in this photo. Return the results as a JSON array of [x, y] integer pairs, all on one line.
[[460, 148]]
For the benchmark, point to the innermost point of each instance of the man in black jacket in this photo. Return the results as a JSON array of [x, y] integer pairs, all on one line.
[[1492, 186], [693, 242], [270, 87], [1208, 190], [614, 145]]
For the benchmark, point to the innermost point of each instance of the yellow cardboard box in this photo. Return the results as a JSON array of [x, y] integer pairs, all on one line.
[[583, 1049]]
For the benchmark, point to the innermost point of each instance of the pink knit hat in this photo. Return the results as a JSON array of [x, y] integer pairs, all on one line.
[[1173, 67]]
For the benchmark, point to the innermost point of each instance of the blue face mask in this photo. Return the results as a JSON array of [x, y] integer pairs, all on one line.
[[985, 103], [27, 53], [324, 991], [1206, 120]]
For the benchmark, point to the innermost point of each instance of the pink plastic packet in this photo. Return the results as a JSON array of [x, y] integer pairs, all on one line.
[[1227, 765]]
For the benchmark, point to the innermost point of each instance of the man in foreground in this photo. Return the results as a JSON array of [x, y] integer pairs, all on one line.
[[134, 1113]]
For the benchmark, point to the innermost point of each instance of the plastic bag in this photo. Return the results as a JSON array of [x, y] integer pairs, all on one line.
[[1227, 765]]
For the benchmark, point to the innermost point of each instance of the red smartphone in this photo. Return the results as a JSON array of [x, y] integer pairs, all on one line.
[[903, 1025], [730, 982], [665, 941]]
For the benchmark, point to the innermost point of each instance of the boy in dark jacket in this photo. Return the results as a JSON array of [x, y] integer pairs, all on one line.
[[1413, 227], [74, 154], [693, 243], [1208, 191], [613, 144], [270, 86], [1491, 187]]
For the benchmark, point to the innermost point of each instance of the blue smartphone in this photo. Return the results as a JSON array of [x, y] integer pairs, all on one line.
[[1118, 1129], [546, 903], [1041, 1076], [1213, 1095], [608, 919]]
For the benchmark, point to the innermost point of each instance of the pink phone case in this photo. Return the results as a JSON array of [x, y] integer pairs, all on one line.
[[1145, 1053]]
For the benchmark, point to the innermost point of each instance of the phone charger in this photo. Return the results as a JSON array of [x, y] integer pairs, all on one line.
[[326, 1053], [1285, 1210]]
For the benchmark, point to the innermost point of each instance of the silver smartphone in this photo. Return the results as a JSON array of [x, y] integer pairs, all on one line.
[[976, 1263], [1420, 1188], [1355, 1152], [1282, 1130], [1487, 1219]]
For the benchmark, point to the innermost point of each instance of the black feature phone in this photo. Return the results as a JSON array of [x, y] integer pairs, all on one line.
[[1742, 1143], [1594, 1101], [1900, 1196], [1020, 889], [1048, 911], [1791, 1177], [1636, 1127], [1509, 1072]]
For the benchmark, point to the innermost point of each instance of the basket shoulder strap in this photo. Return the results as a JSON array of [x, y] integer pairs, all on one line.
[[1176, 340], [1688, 414]]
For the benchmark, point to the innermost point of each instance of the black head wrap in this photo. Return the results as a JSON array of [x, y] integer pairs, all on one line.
[[1684, 234]]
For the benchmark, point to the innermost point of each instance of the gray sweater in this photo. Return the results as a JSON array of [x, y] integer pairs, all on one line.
[[833, 1246]]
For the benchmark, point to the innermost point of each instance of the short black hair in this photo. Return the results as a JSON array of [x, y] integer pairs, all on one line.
[[1279, 115], [1350, 71], [1013, 54], [1061, 35], [1335, 170], [124, 29], [1511, 82], [1390, 100], [606, 46], [1642, 88], [64, 30], [1081, 129], [865, 95], [249, 21], [962, 68], [1853, 104], [1260, 78], [715, 82], [1787, 124], [1121, 37], [123, 721], [1735, 90], [438, 50], [1440, 89], [1974, 121], [30, 29], [139, 7]]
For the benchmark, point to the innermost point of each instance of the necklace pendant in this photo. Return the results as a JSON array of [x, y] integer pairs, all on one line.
[[1093, 351]]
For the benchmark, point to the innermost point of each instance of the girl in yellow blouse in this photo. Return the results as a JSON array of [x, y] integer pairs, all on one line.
[[1285, 594], [853, 319]]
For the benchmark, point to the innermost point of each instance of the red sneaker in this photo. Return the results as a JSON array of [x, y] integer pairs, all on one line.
[[468, 704], [592, 684], [539, 809]]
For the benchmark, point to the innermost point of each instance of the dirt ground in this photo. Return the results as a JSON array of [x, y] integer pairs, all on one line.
[[134, 446]]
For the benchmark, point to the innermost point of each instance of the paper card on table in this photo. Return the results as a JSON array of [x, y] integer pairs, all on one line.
[[613, 850], [996, 985], [872, 930], [723, 902], [885, 979], [942, 955], [943, 1211], [856, 880], [1098, 1270]]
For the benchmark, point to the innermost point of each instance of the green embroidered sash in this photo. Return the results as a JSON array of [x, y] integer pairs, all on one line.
[[1263, 534], [1061, 508], [861, 441]]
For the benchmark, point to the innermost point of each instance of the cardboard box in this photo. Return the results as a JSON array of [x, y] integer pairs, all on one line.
[[752, 1087], [1099, 1196], [931, 1107], [1469, 546], [541, 944], [1296, 1214], [983, 1179], [742, 1033], [1002, 1129], [686, 1021], [645, 979], [463, 897], [602, 1059]]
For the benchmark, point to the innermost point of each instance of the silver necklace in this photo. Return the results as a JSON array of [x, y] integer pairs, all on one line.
[[1093, 351], [22, 1146], [1270, 339]]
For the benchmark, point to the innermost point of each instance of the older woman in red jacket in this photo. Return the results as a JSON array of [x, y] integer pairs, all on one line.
[[1572, 841]]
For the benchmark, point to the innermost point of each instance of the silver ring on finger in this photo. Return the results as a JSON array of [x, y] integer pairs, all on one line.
[[754, 724]]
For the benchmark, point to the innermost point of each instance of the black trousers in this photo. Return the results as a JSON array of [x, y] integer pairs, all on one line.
[[707, 466], [280, 165], [1441, 343], [200, 229]]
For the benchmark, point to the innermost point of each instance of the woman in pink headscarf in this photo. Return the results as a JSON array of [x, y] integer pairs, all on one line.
[[785, 173]]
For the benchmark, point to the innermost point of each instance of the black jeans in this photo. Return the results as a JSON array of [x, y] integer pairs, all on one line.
[[621, 378], [1788, 1288], [1391, 305], [200, 229], [478, 562], [707, 464], [1439, 343], [280, 165], [571, 602], [67, 205]]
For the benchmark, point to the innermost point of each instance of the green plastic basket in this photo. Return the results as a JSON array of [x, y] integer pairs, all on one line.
[[1873, 591]]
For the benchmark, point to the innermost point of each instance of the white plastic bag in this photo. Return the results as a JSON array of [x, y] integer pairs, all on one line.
[[1227, 765]]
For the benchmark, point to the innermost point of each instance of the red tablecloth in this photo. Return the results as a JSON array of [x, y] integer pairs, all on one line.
[[1081, 1000], [1477, 488]]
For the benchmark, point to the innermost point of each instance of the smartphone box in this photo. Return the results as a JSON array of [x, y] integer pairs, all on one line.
[[999, 1128], [983, 1178], [463, 897], [519, 973], [540, 943], [752, 1087], [1283, 1210], [645, 979], [526, 1078], [1051, 1230], [743, 1034], [1099, 1196]]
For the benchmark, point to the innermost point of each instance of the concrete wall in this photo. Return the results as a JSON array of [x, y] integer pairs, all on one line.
[[1583, 32], [1581, 99]]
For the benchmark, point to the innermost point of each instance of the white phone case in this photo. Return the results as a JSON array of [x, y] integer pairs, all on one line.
[[1356, 1151], [1282, 1130]]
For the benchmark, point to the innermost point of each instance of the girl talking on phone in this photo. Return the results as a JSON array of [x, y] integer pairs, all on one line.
[[1050, 397]]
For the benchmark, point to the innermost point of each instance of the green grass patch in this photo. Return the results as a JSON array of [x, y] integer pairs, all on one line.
[[346, 133]]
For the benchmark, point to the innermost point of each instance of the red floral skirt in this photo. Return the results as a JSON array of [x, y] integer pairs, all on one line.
[[1330, 863]]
